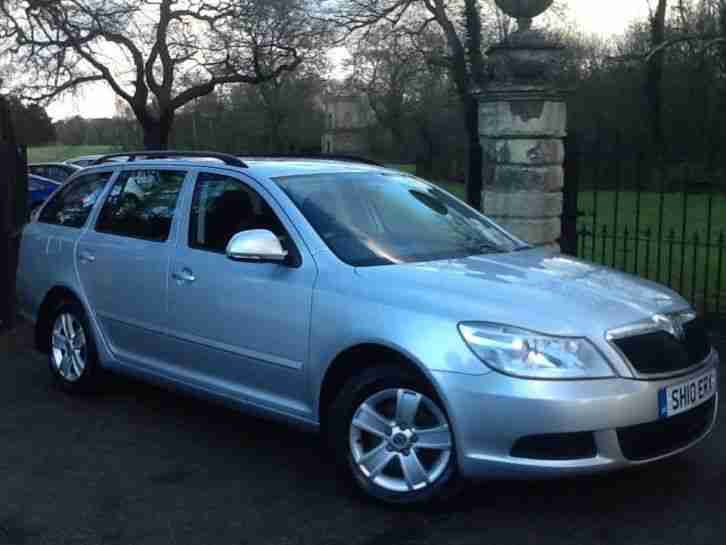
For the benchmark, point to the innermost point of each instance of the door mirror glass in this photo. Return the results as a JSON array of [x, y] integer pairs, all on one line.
[[256, 245]]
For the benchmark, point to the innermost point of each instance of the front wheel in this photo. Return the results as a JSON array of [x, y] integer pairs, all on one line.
[[392, 433]]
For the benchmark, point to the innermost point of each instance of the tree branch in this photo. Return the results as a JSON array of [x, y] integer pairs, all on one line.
[[207, 87], [709, 39], [71, 84]]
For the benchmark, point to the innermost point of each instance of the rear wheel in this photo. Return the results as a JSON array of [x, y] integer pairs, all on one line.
[[72, 355], [391, 432]]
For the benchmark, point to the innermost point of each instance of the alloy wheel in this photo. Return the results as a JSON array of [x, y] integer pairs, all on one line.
[[69, 347], [400, 440]]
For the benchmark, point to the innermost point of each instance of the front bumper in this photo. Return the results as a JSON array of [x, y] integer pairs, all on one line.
[[491, 413]]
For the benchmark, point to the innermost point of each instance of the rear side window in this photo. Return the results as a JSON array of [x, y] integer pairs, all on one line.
[[73, 204], [141, 204]]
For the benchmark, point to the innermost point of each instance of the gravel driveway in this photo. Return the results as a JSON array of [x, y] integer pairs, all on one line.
[[139, 465]]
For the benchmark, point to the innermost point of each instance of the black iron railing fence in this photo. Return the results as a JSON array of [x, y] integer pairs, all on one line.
[[693, 266], [663, 219]]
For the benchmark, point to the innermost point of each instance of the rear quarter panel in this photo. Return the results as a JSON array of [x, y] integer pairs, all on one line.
[[46, 260]]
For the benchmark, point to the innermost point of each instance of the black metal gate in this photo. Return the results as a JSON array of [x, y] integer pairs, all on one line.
[[661, 218]]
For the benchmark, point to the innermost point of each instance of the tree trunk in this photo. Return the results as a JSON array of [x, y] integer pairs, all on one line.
[[654, 80], [474, 180], [399, 142], [157, 132], [474, 177], [275, 123], [425, 161], [460, 75]]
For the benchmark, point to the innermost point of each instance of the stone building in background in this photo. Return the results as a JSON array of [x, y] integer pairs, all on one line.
[[348, 122]]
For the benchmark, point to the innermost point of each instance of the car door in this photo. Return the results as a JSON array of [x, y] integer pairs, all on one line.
[[241, 327], [48, 249], [123, 262]]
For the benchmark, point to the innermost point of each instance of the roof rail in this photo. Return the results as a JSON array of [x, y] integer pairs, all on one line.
[[226, 158], [321, 156]]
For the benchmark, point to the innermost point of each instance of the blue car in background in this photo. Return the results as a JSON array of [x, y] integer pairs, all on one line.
[[39, 189]]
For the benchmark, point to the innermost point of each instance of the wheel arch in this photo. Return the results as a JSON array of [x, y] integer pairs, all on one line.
[[359, 357], [43, 323]]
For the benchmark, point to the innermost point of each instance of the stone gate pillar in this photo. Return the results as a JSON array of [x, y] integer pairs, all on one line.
[[522, 124]]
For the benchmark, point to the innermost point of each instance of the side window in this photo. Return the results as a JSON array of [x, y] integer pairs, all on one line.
[[73, 204], [224, 206], [141, 204]]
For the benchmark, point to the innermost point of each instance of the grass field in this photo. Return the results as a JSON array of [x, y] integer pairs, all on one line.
[[676, 207], [61, 153]]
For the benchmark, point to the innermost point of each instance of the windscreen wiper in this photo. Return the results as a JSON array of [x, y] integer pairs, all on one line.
[[523, 248], [486, 247]]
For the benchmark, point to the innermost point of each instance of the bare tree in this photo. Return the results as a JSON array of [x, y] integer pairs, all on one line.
[[696, 34], [704, 38], [156, 55], [385, 68], [462, 31], [286, 98], [466, 27]]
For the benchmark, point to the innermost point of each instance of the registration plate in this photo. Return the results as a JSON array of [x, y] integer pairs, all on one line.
[[687, 395]]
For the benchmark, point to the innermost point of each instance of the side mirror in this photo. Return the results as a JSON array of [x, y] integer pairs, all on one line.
[[256, 245]]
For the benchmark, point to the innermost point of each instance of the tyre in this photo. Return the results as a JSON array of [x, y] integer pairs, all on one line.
[[389, 430], [72, 353]]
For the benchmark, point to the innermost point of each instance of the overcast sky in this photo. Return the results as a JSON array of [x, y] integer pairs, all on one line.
[[604, 17]]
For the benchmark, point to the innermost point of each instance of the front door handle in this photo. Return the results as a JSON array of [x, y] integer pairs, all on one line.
[[86, 257], [185, 276]]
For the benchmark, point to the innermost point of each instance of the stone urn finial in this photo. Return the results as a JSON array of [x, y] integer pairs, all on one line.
[[524, 10]]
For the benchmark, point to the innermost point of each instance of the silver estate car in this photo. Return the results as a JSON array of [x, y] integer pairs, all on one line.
[[425, 342]]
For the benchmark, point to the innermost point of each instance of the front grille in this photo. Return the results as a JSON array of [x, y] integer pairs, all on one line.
[[646, 441], [660, 352], [556, 446], [696, 342]]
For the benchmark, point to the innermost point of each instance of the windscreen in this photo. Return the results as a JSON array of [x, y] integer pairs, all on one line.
[[372, 218]]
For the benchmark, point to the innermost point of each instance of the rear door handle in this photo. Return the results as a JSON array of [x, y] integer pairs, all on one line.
[[86, 257], [185, 276]]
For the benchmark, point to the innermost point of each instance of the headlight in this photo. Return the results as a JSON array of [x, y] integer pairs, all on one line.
[[532, 355]]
